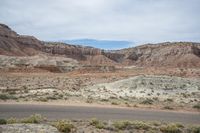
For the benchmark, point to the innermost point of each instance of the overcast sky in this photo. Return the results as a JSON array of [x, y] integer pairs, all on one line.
[[138, 21]]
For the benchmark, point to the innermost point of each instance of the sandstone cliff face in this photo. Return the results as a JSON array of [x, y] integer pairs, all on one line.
[[73, 51], [13, 44], [177, 54], [85, 55], [5, 31]]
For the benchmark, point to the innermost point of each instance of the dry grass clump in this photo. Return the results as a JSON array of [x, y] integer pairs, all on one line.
[[64, 126]]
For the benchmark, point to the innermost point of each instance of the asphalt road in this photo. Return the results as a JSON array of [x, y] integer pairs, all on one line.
[[82, 112]]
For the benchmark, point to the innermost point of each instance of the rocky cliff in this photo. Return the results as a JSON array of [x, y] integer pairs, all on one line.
[[17, 45], [176, 54]]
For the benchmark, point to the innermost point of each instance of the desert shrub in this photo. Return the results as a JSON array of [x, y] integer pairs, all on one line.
[[12, 97], [104, 100], [147, 101], [36, 118], [64, 126], [51, 98], [155, 123], [26, 91], [12, 121], [98, 124], [193, 93], [127, 98], [169, 100], [173, 128], [94, 122], [168, 107], [24, 87], [155, 98], [184, 95], [89, 100], [12, 92], [179, 125], [194, 129], [127, 104], [60, 96], [3, 121], [121, 125], [141, 125], [42, 99], [4, 97], [113, 97], [197, 106], [115, 103]]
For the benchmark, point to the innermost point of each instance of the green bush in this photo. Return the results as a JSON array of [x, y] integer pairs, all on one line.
[[52, 98], [121, 125], [104, 100], [4, 97], [26, 91], [197, 106], [42, 99], [168, 107], [115, 103], [141, 125], [195, 129], [170, 129], [3, 121], [147, 101], [169, 100], [12, 121], [12, 93], [89, 100], [36, 118], [98, 124], [64, 126]]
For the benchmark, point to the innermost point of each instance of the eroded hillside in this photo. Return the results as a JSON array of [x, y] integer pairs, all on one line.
[[164, 76], [175, 54]]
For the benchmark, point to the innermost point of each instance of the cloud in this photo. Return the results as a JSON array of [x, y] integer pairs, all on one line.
[[140, 21]]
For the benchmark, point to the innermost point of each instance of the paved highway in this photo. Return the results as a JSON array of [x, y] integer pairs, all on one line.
[[104, 113]]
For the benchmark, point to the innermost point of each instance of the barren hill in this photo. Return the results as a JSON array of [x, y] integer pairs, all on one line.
[[176, 54], [17, 45]]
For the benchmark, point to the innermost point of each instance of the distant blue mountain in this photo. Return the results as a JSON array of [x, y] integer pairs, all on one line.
[[103, 44]]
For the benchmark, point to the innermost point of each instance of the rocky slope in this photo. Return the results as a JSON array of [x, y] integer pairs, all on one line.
[[177, 54], [37, 62], [159, 88], [84, 54], [141, 86], [17, 45]]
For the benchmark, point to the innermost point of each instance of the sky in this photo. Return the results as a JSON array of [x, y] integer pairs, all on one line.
[[135, 21], [103, 44]]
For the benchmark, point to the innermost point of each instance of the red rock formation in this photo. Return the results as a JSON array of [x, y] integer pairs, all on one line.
[[177, 54], [13, 44], [73, 51]]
